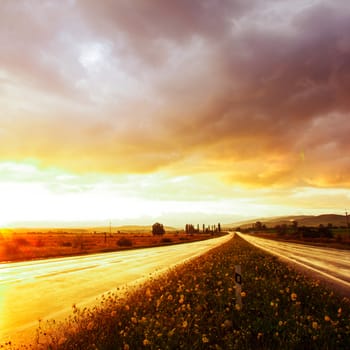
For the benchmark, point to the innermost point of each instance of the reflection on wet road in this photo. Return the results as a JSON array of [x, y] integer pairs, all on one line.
[[46, 289], [333, 264]]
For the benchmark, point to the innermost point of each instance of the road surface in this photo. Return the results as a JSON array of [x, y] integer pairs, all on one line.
[[47, 289], [332, 265]]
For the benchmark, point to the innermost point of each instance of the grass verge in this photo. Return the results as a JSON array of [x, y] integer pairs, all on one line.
[[194, 307]]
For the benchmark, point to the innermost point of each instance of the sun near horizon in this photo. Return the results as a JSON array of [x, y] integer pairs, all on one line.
[[54, 198]]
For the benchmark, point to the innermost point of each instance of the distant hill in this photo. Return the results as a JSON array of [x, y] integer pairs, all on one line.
[[133, 228], [98, 229], [303, 220]]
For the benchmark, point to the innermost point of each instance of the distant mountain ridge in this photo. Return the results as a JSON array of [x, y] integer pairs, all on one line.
[[302, 220], [98, 229], [134, 228]]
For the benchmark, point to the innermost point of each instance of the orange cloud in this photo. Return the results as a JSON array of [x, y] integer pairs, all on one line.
[[238, 90]]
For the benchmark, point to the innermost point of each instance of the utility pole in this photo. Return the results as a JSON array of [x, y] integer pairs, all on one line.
[[347, 221], [110, 231]]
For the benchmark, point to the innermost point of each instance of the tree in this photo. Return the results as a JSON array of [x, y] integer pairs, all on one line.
[[158, 229], [258, 226], [281, 229], [325, 231], [294, 226], [189, 228]]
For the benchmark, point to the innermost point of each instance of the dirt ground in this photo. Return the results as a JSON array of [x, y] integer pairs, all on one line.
[[37, 245]]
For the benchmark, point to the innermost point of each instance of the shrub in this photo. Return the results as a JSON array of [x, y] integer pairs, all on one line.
[[78, 242], [124, 242], [166, 240], [39, 243], [339, 238], [183, 238], [9, 249], [21, 241]]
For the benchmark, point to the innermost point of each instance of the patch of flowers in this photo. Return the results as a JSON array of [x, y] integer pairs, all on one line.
[[194, 306]]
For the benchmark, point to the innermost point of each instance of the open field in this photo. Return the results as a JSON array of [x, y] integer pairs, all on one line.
[[341, 239], [327, 230], [343, 243], [194, 307], [18, 246]]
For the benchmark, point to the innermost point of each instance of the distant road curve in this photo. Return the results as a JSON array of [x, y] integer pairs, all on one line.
[[47, 289], [329, 264]]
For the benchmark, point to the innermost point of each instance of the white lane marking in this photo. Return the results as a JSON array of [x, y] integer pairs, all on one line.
[[272, 250]]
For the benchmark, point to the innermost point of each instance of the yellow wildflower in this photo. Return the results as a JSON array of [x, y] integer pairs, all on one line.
[[227, 324], [314, 325], [171, 333], [205, 338], [293, 296]]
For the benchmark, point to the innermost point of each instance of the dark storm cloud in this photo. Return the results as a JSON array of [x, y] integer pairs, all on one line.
[[262, 86]]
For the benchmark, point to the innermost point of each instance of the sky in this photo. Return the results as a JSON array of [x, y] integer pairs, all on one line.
[[180, 111]]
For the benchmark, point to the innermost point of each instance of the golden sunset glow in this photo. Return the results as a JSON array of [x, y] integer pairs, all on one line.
[[176, 111]]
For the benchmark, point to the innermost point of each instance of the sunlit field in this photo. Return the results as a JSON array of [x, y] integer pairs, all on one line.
[[340, 238], [35, 245], [194, 307]]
